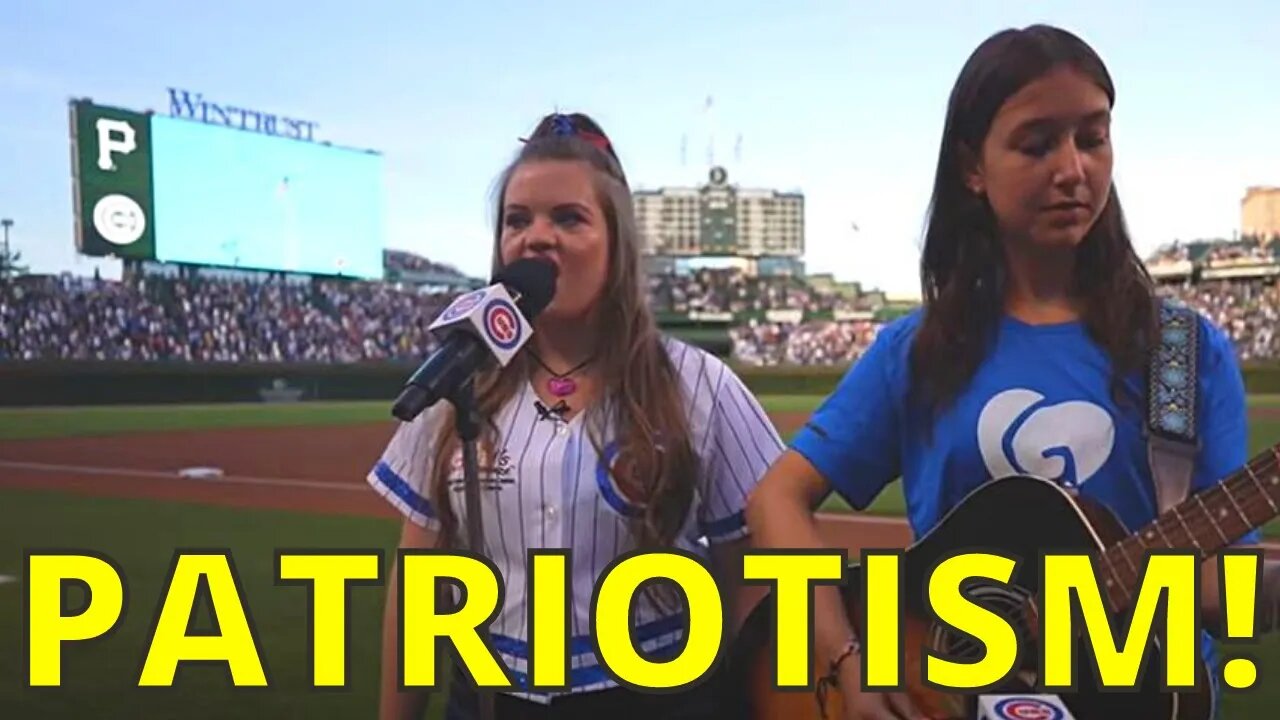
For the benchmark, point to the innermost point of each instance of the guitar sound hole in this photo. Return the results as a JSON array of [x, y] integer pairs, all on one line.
[[1014, 605]]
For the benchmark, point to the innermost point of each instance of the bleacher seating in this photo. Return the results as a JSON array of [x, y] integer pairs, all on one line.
[[769, 320]]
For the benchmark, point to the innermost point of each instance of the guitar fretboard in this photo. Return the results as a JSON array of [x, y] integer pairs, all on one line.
[[1206, 522]]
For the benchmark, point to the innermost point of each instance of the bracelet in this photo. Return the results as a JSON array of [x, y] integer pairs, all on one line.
[[832, 678], [850, 648]]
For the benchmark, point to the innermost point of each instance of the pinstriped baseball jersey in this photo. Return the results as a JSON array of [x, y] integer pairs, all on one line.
[[549, 488]]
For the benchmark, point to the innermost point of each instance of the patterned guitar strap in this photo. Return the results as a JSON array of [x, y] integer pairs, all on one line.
[[1172, 440], [1172, 382]]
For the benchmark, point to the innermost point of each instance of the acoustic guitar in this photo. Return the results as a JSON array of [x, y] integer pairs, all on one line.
[[1022, 516]]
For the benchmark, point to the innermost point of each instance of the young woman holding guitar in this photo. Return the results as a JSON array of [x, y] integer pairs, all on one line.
[[1029, 354]]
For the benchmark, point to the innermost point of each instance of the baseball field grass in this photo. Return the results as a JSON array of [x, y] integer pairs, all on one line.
[[28, 423], [100, 677]]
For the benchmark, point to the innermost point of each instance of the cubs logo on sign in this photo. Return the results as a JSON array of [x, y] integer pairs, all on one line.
[[502, 324], [1027, 709], [462, 306], [119, 220]]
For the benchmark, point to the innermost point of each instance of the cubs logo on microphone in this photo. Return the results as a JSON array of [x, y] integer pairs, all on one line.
[[462, 306], [502, 324], [489, 315], [1027, 709]]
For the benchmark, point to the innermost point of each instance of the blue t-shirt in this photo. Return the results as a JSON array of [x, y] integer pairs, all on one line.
[[1040, 404]]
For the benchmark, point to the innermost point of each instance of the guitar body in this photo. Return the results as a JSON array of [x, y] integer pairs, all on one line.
[[1019, 517]]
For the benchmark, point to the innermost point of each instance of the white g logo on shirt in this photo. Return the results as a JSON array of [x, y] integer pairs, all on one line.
[[1036, 443]]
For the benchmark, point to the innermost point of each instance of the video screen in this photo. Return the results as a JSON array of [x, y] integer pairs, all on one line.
[[237, 199]]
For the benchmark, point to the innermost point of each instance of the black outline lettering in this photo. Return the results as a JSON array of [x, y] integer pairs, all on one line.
[[65, 608], [1119, 626], [1159, 620], [25, 609], [1228, 641], [238, 586], [679, 646], [810, 620], [1160, 625], [719, 657], [449, 648], [202, 600], [567, 554], [348, 584], [1018, 654], [1077, 626], [861, 618]]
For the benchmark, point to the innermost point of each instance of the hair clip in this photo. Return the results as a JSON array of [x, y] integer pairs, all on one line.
[[596, 139], [562, 126]]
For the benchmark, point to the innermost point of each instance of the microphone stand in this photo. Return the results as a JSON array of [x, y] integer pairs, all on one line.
[[467, 425]]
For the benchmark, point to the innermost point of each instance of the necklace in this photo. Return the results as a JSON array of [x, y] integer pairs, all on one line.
[[560, 384]]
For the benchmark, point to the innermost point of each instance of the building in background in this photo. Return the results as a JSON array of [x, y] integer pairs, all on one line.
[[763, 227], [1260, 213]]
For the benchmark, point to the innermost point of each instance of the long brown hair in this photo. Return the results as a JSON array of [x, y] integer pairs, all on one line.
[[962, 267], [655, 466]]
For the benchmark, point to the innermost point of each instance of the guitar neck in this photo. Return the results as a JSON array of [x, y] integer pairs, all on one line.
[[1207, 522]]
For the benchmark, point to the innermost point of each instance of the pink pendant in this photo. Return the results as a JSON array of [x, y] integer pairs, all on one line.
[[562, 387]]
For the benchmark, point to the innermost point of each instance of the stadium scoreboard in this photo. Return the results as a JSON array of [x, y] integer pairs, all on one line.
[[177, 190]]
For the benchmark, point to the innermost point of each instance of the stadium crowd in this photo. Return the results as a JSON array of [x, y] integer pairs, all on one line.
[[759, 340], [237, 319], [730, 290], [214, 320], [1246, 309], [823, 342]]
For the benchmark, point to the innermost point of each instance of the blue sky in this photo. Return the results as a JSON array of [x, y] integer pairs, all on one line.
[[841, 100]]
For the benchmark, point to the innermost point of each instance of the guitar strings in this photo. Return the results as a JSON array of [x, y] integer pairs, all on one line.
[[1244, 491]]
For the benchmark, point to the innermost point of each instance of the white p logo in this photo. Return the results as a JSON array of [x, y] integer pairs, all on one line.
[[114, 136]]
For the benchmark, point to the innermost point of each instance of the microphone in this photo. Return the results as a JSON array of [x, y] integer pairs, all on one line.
[[492, 322], [546, 413]]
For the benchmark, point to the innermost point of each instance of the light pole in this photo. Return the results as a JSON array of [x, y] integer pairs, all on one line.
[[6, 223]]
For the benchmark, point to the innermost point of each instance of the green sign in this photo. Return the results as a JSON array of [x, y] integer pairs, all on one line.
[[719, 212], [111, 152]]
